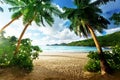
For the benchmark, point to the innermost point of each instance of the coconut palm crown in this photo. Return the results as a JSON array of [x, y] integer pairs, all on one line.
[[39, 11], [85, 13]]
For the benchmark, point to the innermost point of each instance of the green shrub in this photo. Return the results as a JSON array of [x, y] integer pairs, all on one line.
[[25, 56], [93, 65], [113, 59], [27, 53], [115, 62], [6, 51], [22, 61], [93, 55]]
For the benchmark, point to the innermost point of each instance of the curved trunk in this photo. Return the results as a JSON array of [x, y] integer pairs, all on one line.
[[105, 68], [9, 23], [20, 38]]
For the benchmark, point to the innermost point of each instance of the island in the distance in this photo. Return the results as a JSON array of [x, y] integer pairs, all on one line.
[[106, 40]]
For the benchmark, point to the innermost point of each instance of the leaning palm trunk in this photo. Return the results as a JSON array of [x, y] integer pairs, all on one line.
[[105, 68], [9, 23], [19, 40]]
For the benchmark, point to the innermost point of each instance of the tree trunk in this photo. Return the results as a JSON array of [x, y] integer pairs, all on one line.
[[9, 23], [105, 68], [20, 38]]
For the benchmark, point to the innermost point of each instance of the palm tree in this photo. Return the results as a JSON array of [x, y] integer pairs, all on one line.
[[85, 19], [17, 8], [37, 11]]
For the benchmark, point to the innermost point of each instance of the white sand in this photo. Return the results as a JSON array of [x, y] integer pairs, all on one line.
[[66, 66]]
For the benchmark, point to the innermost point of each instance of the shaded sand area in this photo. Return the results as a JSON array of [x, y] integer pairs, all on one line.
[[56, 66]]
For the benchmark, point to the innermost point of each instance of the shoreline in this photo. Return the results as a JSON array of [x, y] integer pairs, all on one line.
[[63, 55], [46, 52]]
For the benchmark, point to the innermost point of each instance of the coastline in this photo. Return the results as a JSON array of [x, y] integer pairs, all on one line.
[[62, 53]]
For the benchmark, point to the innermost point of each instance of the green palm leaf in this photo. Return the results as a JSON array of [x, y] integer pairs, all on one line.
[[116, 18], [99, 2]]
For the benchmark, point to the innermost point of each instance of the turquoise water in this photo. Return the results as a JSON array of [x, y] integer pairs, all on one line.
[[67, 48]]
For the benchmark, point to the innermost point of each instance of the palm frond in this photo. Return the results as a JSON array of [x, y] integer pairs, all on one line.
[[116, 18], [15, 9], [1, 9], [69, 12], [48, 18], [54, 10], [12, 2], [16, 14], [99, 2], [37, 20]]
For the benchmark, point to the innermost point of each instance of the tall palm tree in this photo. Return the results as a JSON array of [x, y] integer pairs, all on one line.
[[85, 19], [17, 8], [38, 11]]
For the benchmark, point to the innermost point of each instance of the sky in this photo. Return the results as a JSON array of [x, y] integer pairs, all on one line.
[[59, 32]]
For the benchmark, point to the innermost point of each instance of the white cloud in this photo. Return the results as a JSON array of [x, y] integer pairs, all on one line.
[[110, 31], [58, 33]]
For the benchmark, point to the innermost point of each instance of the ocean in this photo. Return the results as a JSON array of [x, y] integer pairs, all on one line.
[[68, 48]]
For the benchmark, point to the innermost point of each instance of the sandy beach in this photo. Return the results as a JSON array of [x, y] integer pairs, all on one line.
[[54, 66], [60, 66]]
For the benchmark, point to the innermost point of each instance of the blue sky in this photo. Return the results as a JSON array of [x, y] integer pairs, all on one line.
[[59, 32], [64, 3]]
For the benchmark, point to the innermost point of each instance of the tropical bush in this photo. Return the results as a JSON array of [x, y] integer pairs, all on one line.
[[27, 53], [23, 59], [113, 59], [6, 51], [93, 64]]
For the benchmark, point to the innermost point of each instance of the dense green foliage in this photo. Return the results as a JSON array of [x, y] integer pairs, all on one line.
[[6, 51], [25, 56], [113, 59], [24, 59], [107, 40]]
